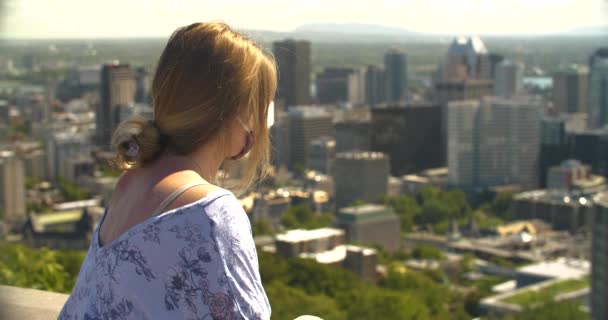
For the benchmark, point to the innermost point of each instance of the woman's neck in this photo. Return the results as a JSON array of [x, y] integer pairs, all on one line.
[[202, 161]]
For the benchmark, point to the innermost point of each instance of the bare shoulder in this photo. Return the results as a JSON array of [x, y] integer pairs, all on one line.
[[196, 193]]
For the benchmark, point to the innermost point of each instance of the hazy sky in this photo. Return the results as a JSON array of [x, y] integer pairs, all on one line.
[[129, 18]]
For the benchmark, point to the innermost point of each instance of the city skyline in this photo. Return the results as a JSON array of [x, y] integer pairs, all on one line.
[[137, 18]]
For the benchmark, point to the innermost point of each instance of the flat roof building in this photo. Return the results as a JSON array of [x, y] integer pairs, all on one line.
[[371, 225]]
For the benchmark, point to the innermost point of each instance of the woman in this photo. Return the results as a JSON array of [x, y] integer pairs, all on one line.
[[171, 245]]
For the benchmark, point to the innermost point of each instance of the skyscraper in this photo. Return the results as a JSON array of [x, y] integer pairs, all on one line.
[[12, 187], [306, 123], [375, 89], [454, 90], [353, 135], [598, 90], [356, 87], [467, 58], [508, 79], [360, 175], [142, 85], [599, 259], [494, 142], [570, 89], [395, 66], [332, 85], [320, 154], [117, 90], [411, 135], [509, 131], [462, 143], [293, 62], [553, 145]]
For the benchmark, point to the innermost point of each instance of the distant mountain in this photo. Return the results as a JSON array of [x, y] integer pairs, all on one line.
[[590, 31], [347, 32], [354, 28]]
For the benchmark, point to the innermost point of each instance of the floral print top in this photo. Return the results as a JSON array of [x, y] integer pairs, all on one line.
[[194, 262]]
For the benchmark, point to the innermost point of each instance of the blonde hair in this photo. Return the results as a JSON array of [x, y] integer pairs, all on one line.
[[206, 77]]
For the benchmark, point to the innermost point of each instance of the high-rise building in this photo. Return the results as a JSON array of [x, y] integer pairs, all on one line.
[[495, 142], [360, 175], [306, 123], [590, 147], [508, 80], [454, 90], [34, 163], [279, 136], [601, 53], [371, 225], [320, 154], [353, 135], [293, 62], [462, 142], [553, 145], [467, 58], [598, 90], [509, 134], [142, 85], [411, 135], [12, 187], [60, 148], [333, 85], [117, 91], [375, 88], [356, 87], [599, 260], [570, 89], [395, 66]]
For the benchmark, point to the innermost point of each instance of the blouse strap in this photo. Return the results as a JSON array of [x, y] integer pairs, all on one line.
[[163, 205]]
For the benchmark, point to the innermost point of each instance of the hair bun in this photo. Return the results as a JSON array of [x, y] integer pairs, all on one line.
[[136, 141]]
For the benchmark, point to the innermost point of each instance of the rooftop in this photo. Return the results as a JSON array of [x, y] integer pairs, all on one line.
[[467, 45], [365, 213], [364, 209], [560, 268], [300, 235], [361, 155]]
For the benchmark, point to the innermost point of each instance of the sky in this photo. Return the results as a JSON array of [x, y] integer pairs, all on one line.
[[158, 18]]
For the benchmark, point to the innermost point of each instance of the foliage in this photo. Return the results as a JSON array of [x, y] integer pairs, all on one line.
[[547, 294], [427, 252], [500, 206], [295, 302], [409, 296], [108, 171], [39, 268], [405, 207], [70, 191], [302, 216], [262, 227], [434, 208], [358, 203]]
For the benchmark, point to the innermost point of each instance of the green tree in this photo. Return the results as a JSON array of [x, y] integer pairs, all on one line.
[[70, 191], [406, 207], [302, 216], [500, 206], [427, 252], [289, 303], [42, 269], [262, 227], [387, 304]]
